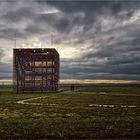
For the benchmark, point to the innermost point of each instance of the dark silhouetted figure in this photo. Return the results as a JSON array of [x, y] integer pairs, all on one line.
[[72, 87]]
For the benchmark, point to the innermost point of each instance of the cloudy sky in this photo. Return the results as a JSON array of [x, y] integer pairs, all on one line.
[[97, 40]]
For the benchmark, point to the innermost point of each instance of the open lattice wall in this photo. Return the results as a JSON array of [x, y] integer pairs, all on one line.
[[36, 70]]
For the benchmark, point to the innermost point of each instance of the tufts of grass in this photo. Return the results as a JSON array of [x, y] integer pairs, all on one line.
[[70, 117]]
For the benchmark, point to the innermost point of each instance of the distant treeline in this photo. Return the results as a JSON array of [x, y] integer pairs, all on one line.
[[102, 85], [87, 85]]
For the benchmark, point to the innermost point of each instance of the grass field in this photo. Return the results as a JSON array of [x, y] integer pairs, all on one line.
[[67, 115]]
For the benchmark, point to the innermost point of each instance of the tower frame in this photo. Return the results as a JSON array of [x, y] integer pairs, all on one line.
[[36, 70]]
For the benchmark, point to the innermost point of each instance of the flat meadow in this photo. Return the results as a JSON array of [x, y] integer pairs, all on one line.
[[81, 114]]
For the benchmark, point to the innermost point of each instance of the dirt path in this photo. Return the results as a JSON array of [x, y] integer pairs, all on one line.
[[25, 102], [122, 106]]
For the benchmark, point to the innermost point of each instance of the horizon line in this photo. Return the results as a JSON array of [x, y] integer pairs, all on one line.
[[84, 81]]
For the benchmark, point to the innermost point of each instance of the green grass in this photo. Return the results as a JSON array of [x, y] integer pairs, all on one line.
[[125, 90], [70, 117]]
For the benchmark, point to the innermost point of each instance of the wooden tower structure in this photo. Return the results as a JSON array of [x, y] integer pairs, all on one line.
[[36, 70]]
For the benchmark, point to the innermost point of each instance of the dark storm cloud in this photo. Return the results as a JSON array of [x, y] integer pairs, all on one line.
[[11, 32], [92, 9], [120, 60], [57, 21], [70, 16], [109, 31], [87, 6], [15, 16], [5, 69], [117, 58], [1, 53]]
